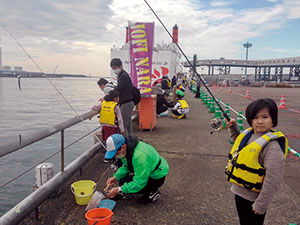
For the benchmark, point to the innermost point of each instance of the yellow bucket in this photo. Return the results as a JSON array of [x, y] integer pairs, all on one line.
[[83, 191]]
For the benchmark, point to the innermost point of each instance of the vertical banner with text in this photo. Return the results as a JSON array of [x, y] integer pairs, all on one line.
[[141, 49]]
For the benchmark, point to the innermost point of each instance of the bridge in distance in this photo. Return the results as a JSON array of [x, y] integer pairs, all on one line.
[[265, 70]]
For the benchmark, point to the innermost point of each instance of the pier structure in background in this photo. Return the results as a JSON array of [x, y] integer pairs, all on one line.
[[265, 70], [0, 58]]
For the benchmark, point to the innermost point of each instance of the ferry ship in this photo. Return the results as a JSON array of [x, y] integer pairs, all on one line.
[[165, 61]]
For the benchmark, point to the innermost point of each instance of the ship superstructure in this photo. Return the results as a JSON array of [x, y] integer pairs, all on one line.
[[165, 61]]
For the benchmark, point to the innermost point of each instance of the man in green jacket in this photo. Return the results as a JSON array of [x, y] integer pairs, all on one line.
[[149, 169]]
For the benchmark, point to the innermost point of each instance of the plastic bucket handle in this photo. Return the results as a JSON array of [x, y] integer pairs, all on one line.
[[82, 196]]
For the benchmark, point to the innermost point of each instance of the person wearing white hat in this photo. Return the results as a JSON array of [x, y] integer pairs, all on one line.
[[149, 169]]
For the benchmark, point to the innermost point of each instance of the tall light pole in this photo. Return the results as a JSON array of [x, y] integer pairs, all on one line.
[[247, 45]]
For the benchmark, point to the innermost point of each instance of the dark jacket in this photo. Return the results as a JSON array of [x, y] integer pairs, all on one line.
[[174, 81], [124, 87], [161, 101], [164, 84]]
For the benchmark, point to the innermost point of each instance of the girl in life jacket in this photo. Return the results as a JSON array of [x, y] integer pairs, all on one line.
[[110, 116], [181, 107], [256, 161]]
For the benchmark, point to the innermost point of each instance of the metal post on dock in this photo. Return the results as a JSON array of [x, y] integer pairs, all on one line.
[[247, 46], [62, 158]]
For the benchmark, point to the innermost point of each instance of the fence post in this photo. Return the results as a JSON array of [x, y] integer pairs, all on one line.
[[62, 158]]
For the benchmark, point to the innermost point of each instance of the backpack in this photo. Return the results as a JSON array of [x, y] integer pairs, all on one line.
[[136, 95]]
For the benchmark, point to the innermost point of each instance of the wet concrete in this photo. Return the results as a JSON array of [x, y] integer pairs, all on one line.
[[195, 191]]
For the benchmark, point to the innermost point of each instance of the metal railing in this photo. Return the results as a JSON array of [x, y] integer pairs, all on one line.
[[21, 210], [24, 140], [32, 201]]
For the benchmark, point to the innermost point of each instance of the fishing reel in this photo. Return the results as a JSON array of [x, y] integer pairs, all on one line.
[[216, 124]]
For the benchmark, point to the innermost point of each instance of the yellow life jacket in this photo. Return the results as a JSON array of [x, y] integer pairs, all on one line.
[[183, 104], [107, 113], [169, 83], [243, 167]]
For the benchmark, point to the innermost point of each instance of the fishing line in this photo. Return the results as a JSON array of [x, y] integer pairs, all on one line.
[[194, 69], [53, 85]]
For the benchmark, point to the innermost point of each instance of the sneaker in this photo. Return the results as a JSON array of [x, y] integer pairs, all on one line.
[[155, 195], [174, 116], [107, 160], [114, 167], [164, 113], [180, 117], [151, 197]]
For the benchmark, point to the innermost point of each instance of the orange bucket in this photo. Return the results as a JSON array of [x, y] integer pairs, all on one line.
[[99, 216]]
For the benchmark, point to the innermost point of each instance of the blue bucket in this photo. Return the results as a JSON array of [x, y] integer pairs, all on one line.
[[107, 203]]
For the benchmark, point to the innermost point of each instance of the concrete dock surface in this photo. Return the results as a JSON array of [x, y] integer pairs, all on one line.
[[195, 191]]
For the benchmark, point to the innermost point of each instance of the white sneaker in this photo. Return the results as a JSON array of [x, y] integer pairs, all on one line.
[[114, 167]]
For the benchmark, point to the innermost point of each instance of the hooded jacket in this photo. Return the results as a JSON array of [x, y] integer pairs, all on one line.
[[145, 163]]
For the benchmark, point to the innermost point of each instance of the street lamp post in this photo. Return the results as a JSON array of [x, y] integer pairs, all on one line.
[[247, 45]]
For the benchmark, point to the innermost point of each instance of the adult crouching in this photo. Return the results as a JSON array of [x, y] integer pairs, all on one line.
[[148, 167]]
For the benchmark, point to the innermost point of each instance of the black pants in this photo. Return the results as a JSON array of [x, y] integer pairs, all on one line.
[[246, 215], [161, 109], [175, 112], [151, 186], [197, 95]]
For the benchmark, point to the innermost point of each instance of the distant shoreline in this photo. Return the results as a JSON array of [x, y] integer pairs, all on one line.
[[40, 75]]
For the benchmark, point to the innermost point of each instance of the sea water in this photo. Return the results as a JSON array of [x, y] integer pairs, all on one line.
[[35, 107]]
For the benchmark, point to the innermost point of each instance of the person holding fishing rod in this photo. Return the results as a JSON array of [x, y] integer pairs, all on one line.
[[256, 161], [253, 187]]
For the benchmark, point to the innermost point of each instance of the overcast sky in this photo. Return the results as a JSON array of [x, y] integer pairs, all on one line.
[[77, 35]]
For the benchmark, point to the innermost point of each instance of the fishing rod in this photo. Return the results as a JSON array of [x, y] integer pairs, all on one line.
[[194, 69], [53, 85]]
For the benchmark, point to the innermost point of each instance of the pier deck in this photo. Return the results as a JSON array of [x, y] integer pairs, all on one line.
[[195, 191]]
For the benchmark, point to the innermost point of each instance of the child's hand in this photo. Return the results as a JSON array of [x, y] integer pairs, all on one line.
[[101, 99], [230, 123]]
